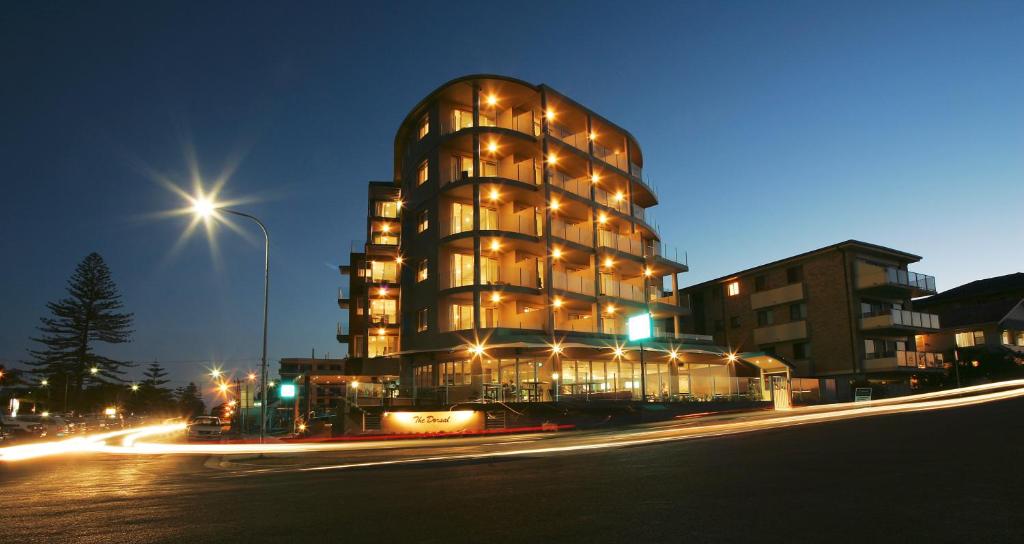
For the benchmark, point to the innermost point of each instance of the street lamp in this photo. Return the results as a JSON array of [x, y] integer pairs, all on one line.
[[204, 207]]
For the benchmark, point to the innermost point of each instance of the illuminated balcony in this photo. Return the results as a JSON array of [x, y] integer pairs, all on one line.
[[580, 281], [343, 299], [613, 156], [575, 136], [578, 233], [892, 281], [899, 322], [610, 287], [619, 242], [579, 185], [906, 361]]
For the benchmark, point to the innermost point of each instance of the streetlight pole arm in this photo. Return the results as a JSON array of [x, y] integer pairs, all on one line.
[[266, 301]]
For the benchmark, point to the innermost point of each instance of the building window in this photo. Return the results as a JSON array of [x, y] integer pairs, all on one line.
[[384, 311], [1005, 337], [423, 220], [798, 311], [424, 126], [462, 119], [760, 283], [488, 271], [422, 270], [462, 317], [734, 322], [970, 339], [462, 269], [357, 345], [1020, 338], [801, 350], [381, 345], [422, 172], [733, 288], [765, 318], [462, 217], [360, 304], [794, 274], [385, 208], [383, 271], [421, 319]]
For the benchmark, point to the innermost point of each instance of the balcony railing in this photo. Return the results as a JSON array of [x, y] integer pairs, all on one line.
[[899, 318], [611, 157], [383, 319], [579, 233], [626, 244], [575, 283], [905, 359], [603, 198], [520, 276], [639, 212], [665, 251], [578, 186], [578, 140], [870, 275], [525, 223], [576, 325], [526, 171], [525, 320], [613, 288], [636, 170], [907, 278]]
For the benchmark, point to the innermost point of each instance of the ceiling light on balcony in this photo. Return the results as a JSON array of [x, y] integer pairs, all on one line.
[[557, 350], [495, 245], [602, 218], [495, 297], [673, 355], [594, 178], [381, 331], [556, 253], [491, 100], [399, 260], [552, 159], [549, 114], [494, 195], [609, 309], [608, 262], [476, 349], [555, 204], [732, 357], [386, 227], [648, 272], [592, 136], [618, 351], [619, 196], [492, 147], [383, 291], [557, 302]]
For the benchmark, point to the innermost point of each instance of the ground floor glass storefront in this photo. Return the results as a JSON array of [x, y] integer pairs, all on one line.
[[532, 380]]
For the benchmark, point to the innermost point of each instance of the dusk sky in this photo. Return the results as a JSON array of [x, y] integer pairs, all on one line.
[[769, 129]]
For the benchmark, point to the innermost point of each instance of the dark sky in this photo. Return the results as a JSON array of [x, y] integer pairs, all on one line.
[[770, 128]]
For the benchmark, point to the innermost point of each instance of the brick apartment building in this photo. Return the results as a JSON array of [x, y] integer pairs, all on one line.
[[843, 311]]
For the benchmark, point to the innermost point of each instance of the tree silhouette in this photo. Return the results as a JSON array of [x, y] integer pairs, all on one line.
[[190, 402], [89, 314], [155, 375]]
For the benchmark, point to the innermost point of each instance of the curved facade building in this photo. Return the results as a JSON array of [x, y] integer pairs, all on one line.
[[505, 257]]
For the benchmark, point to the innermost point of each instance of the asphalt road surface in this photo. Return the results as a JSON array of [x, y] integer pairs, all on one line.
[[952, 475]]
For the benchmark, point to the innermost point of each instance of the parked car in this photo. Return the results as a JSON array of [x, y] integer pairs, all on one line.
[[55, 426], [205, 428], [19, 429]]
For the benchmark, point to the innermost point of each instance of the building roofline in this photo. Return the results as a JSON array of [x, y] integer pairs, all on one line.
[[409, 117], [910, 257]]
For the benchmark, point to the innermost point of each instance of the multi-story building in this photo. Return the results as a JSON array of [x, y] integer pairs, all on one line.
[[322, 385], [504, 258], [982, 327], [842, 311]]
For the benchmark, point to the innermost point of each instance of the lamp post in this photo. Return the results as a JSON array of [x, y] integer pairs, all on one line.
[[205, 208]]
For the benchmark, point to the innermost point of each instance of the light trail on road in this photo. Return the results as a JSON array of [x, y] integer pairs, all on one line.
[[133, 441]]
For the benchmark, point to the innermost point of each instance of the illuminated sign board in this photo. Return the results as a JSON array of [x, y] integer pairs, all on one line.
[[454, 421], [639, 327], [287, 390]]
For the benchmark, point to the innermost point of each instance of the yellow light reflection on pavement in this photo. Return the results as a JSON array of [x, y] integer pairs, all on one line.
[[134, 441]]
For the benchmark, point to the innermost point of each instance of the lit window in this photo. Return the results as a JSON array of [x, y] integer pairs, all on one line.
[[421, 320], [970, 339], [423, 221], [733, 288], [422, 271], [422, 172], [424, 126], [386, 208], [1005, 337]]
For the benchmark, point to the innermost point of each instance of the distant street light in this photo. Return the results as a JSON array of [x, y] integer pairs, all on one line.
[[135, 387], [205, 207], [93, 370]]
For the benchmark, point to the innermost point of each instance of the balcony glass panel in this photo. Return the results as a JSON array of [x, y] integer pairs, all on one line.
[[579, 233], [613, 157], [577, 282], [578, 186], [577, 139]]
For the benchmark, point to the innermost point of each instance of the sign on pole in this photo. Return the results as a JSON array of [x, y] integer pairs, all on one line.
[[287, 390], [639, 327], [862, 394]]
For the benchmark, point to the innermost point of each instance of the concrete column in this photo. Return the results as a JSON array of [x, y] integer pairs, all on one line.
[[477, 263], [548, 265], [675, 299]]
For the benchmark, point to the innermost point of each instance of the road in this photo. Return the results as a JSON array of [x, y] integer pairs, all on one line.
[[950, 475]]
